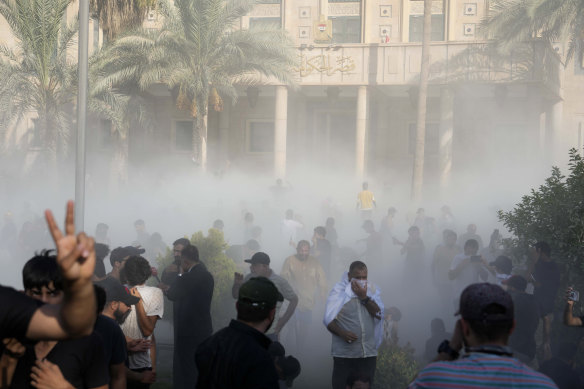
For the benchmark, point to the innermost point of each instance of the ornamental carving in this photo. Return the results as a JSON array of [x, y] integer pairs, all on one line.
[[344, 9], [266, 10], [325, 64]]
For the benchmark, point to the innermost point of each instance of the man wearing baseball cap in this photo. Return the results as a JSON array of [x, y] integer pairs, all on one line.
[[237, 356], [260, 267], [487, 320]]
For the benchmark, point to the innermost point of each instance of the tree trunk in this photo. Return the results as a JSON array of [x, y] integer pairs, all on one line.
[[418, 173], [200, 136]]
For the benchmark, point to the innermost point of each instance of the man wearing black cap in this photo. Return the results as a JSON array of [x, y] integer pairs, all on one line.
[[237, 356], [487, 320], [260, 267]]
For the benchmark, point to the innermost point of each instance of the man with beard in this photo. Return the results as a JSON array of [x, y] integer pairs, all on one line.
[[260, 267], [114, 303], [172, 270], [237, 356], [191, 292], [307, 277]]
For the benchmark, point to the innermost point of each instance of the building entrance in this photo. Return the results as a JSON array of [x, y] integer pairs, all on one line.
[[333, 139]]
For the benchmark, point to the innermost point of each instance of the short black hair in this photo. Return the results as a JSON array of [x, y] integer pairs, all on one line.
[[137, 270], [139, 222], [357, 376], [320, 230], [365, 185], [41, 270], [117, 255], [190, 253], [253, 245], [252, 314], [471, 244], [357, 265], [395, 313], [302, 243], [491, 331], [183, 241], [218, 224], [544, 248]]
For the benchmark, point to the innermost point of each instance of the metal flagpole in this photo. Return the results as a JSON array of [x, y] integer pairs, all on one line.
[[81, 113]]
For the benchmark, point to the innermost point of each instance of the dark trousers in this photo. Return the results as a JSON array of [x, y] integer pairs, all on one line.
[[184, 368], [343, 367], [136, 384]]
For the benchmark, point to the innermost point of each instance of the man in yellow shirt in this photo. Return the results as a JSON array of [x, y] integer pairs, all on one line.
[[307, 278], [366, 202]]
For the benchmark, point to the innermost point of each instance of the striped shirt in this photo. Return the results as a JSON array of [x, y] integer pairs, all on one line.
[[480, 370]]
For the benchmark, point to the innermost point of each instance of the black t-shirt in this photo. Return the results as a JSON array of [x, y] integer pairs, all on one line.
[[113, 340], [16, 310], [547, 275], [81, 361], [526, 321], [236, 357], [561, 373]]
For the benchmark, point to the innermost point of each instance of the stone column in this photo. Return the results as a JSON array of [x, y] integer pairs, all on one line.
[[280, 127], [446, 135], [361, 131], [554, 134]]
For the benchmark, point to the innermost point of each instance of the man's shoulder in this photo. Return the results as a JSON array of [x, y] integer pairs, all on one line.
[[483, 366]]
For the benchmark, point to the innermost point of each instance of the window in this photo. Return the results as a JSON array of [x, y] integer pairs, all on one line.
[[417, 28], [260, 136], [105, 133], [267, 23], [432, 141], [183, 135], [346, 29], [417, 20]]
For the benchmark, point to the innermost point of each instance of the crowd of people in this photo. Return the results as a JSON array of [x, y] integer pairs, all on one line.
[[79, 325]]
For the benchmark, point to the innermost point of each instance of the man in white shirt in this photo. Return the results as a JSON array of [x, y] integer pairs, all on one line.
[[142, 319]]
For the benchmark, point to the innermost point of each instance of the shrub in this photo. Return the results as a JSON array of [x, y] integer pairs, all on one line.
[[396, 367]]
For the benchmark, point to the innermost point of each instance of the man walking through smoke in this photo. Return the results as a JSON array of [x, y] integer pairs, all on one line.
[[354, 313]]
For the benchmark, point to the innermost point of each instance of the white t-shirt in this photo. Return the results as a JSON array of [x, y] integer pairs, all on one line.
[[289, 230], [469, 274], [153, 301]]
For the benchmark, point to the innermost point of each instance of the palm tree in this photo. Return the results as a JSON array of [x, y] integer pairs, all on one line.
[[201, 57], [116, 16], [36, 74], [516, 21], [418, 171]]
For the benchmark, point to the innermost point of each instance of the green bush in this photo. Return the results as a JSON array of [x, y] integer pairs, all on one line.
[[212, 253], [396, 367]]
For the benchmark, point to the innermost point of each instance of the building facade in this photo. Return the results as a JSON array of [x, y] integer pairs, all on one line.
[[354, 107]]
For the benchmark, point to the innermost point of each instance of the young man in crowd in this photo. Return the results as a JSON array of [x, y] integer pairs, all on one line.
[[143, 316], [260, 267], [522, 340], [366, 202], [487, 320], [354, 316], [306, 276], [467, 268], [80, 362], [237, 356]]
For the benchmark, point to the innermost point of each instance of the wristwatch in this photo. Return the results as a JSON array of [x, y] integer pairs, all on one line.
[[365, 300], [445, 348]]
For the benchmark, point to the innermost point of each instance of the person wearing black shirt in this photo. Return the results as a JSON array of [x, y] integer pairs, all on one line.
[[20, 316], [81, 361], [560, 368], [546, 277], [522, 339], [191, 292], [237, 356]]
